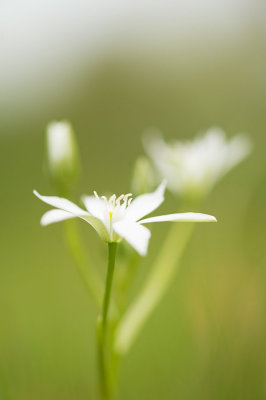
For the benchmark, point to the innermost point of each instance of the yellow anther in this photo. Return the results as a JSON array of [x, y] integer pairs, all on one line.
[[111, 214]]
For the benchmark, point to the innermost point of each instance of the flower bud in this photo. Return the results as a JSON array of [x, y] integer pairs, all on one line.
[[62, 156], [143, 179]]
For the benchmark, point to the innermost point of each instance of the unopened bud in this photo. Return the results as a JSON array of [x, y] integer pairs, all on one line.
[[62, 156], [143, 180]]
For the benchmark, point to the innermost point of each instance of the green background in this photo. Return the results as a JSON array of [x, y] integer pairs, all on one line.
[[207, 339]]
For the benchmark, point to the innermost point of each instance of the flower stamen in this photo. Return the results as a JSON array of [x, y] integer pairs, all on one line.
[[119, 199], [126, 197]]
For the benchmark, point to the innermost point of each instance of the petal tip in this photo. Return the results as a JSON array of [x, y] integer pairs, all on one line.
[[37, 194], [161, 188], [163, 184]]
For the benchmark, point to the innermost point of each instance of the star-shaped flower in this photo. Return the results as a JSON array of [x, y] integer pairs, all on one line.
[[118, 218], [193, 167]]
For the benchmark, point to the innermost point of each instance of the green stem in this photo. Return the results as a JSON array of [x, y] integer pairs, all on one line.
[[132, 268], [126, 282], [109, 280], [104, 354], [157, 284], [90, 277]]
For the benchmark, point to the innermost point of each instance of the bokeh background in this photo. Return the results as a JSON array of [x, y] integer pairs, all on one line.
[[113, 69]]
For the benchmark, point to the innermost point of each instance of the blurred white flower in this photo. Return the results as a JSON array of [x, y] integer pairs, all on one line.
[[193, 167], [119, 218], [62, 154]]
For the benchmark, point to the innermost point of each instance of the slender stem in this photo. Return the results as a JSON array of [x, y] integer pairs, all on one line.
[[104, 354], [126, 281], [132, 268], [155, 287], [90, 277], [109, 280]]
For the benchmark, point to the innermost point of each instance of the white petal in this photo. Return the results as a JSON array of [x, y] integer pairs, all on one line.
[[146, 203], [61, 203], [238, 149], [193, 217], [99, 226], [95, 207], [135, 234], [53, 216], [70, 208]]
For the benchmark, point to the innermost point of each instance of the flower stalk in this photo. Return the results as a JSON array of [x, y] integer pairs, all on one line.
[[161, 275], [109, 281], [103, 331]]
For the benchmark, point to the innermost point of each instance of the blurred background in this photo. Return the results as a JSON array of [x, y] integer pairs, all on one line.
[[115, 68]]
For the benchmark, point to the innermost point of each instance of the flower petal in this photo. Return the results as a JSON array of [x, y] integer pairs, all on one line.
[[53, 216], [190, 216], [99, 226], [146, 203], [135, 234], [239, 147], [67, 207], [95, 207], [61, 203]]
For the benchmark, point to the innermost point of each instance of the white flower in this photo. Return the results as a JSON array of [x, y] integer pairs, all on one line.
[[193, 167], [119, 218]]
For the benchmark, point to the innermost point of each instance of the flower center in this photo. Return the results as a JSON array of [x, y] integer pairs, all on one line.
[[116, 206]]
